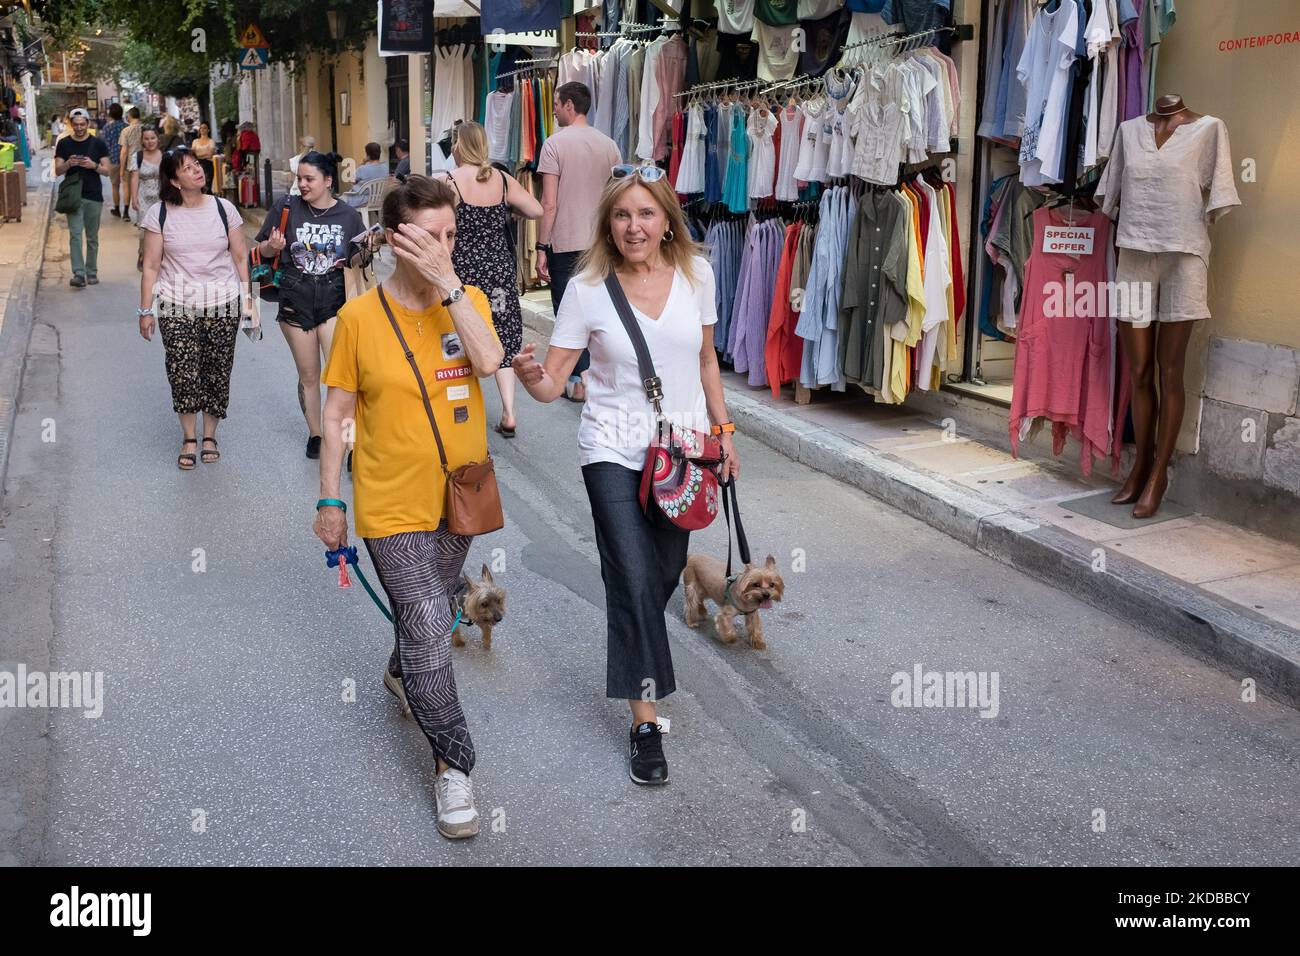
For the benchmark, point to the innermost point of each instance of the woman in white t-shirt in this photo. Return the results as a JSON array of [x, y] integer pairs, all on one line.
[[196, 261], [643, 240]]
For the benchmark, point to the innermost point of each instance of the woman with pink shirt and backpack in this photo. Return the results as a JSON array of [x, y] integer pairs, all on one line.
[[196, 262]]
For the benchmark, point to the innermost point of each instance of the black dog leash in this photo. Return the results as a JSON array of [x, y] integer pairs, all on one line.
[[731, 503]]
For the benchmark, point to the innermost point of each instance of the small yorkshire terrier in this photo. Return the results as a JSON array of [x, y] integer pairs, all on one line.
[[756, 588], [481, 602]]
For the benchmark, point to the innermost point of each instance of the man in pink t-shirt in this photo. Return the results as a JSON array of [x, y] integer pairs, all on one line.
[[575, 165]]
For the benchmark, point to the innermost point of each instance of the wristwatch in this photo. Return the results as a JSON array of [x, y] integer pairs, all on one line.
[[456, 295], [544, 247]]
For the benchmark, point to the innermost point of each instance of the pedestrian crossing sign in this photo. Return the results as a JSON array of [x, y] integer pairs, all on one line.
[[254, 58], [252, 37]]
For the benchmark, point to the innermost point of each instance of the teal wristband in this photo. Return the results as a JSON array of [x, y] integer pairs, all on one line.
[[331, 503]]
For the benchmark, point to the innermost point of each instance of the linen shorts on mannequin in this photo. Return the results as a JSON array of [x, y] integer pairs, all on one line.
[[1169, 287]]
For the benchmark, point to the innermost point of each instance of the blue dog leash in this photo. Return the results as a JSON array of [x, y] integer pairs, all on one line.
[[349, 557]]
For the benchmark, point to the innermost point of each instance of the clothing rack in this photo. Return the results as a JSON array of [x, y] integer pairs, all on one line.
[[666, 23], [887, 39], [720, 84], [541, 63]]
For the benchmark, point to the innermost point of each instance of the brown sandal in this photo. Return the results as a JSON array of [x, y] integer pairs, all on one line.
[[186, 460], [216, 455]]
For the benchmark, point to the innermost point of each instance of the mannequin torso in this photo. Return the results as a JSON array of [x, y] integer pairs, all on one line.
[[1170, 114]]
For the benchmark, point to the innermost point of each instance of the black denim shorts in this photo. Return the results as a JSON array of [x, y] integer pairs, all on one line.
[[307, 301]]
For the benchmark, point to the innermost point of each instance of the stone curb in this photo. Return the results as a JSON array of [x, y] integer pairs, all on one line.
[[16, 332], [1238, 641]]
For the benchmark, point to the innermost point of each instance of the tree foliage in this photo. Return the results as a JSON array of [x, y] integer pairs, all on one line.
[[293, 28]]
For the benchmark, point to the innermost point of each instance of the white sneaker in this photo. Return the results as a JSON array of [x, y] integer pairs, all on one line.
[[395, 687], [457, 817]]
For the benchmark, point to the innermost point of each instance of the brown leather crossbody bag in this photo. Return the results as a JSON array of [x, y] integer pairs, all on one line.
[[472, 503]]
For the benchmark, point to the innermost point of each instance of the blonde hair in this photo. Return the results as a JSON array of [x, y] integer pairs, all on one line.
[[469, 147], [307, 143], [602, 256], [169, 125]]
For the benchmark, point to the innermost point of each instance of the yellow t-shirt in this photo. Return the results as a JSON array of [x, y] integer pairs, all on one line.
[[397, 479]]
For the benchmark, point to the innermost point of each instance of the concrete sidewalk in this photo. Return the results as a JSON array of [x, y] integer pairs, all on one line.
[[22, 252], [1228, 595]]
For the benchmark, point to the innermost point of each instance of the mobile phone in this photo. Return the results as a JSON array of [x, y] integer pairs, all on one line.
[[375, 230]]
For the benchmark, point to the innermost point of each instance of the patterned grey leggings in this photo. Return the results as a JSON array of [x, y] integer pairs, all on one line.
[[419, 571]]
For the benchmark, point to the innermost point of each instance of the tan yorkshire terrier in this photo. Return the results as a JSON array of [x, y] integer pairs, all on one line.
[[481, 602], [755, 589]]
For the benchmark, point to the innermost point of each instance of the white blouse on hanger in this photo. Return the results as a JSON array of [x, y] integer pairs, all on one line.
[[496, 123], [808, 169], [762, 152], [690, 171], [840, 155], [791, 119]]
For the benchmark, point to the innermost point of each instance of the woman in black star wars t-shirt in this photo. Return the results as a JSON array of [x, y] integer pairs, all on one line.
[[315, 247]]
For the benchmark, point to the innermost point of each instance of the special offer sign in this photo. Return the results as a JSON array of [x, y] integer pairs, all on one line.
[[1068, 240]]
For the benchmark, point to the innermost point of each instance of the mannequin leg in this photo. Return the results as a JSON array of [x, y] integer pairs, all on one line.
[[1139, 346], [1171, 352]]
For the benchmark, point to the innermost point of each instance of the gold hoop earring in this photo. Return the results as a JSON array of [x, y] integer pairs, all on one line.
[[668, 236]]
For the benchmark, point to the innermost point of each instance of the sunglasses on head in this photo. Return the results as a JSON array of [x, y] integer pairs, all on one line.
[[648, 174]]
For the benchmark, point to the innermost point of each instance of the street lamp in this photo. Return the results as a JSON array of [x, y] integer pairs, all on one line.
[[338, 23]]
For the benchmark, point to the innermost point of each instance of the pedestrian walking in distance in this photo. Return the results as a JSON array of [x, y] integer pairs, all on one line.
[[196, 261], [86, 157], [129, 142], [146, 186], [643, 240], [318, 243], [205, 147], [398, 484], [572, 161], [486, 197], [111, 134]]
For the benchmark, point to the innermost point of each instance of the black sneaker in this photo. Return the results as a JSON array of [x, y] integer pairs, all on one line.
[[78, 282], [648, 765], [92, 280], [114, 212], [313, 447]]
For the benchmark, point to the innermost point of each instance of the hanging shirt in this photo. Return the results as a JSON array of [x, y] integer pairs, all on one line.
[[762, 154], [823, 38], [1044, 69], [497, 124], [915, 15], [778, 54], [735, 192], [875, 287], [791, 119], [1064, 354], [735, 16]]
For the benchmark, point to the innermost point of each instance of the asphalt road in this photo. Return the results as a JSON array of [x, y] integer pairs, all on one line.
[[224, 690]]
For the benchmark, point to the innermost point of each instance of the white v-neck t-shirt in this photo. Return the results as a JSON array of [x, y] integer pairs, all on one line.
[[617, 419]]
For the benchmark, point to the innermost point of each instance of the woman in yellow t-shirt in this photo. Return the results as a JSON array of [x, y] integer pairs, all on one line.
[[397, 482]]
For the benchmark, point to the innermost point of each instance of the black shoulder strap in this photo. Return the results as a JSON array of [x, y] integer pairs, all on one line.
[[451, 181], [424, 393], [504, 188], [162, 216], [225, 223], [645, 367]]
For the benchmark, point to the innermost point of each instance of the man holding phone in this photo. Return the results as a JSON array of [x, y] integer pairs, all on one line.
[[81, 154]]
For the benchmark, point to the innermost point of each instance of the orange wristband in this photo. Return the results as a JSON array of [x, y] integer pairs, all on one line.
[[725, 428]]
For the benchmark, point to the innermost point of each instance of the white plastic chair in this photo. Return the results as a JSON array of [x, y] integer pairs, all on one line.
[[374, 192]]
